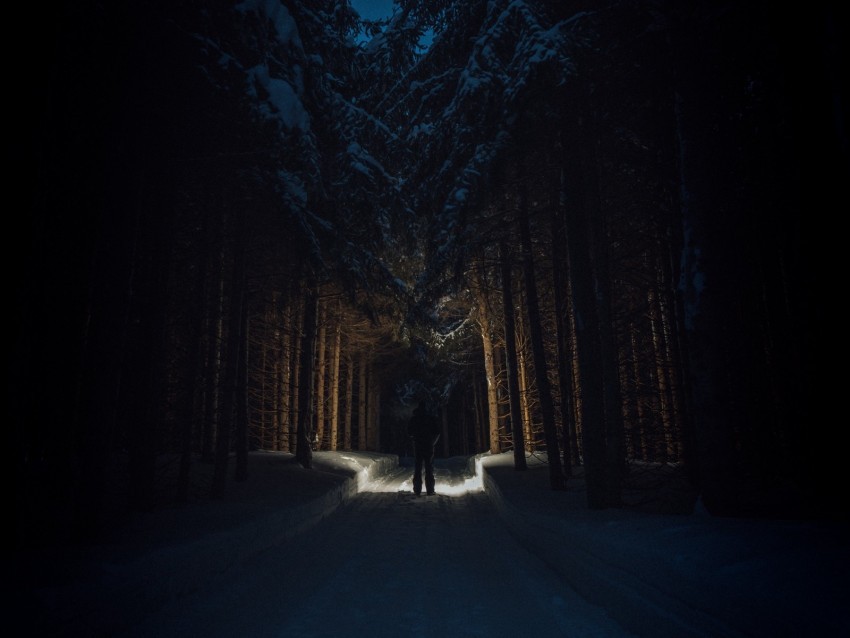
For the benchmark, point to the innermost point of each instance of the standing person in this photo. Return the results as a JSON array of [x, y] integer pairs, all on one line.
[[425, 432]]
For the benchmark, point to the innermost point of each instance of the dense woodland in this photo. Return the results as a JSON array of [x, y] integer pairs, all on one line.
[[595, 230]]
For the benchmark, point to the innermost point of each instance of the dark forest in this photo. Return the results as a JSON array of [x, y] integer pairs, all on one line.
[[598, 230]]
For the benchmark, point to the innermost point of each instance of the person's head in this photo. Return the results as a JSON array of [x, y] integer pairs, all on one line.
[[421, 408]]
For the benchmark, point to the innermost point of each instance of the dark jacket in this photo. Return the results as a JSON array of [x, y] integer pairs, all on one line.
[[424, 429]]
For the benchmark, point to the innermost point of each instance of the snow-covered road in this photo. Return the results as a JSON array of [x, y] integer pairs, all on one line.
[[388, 563]]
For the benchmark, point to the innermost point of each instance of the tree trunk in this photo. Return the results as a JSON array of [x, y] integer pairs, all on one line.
[[511, 356], [284, 441], [588, 344], [565, 383], [544, 391], [361, 404], [303, 448], [489, 365], [333, 417], [374, 409], [193, 369], [349, 405], [241, 402], [297, 312], [524, 389], [321, 373], [215, 329], [230, 384]]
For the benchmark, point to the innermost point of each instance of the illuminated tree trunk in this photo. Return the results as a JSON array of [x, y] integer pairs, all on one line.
[[284, 441], [333, 417], [321, 372], [512, 364], [303, 447], [361, 403], [349, 406], [544, 391], [489, 364], [524, 390]]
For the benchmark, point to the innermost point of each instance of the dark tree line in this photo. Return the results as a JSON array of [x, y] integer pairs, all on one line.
[[595, 224]]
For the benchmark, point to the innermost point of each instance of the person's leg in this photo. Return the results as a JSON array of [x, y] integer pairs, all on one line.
[[429, 472], [418, 461]]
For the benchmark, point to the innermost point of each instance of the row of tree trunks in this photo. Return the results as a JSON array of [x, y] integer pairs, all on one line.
[[547, 408], [512, 358], [486, 329], [304, 433], [333, 415], [229, 419]]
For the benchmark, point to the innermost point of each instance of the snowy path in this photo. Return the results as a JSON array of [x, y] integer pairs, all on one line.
[[388, 563]]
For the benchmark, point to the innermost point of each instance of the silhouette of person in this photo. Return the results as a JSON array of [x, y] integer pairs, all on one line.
[[424, 430]]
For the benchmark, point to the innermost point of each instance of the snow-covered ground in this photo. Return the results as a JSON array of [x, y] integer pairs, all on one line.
[[345, 549]]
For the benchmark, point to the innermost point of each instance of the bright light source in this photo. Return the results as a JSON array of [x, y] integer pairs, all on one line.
[[401, 480]]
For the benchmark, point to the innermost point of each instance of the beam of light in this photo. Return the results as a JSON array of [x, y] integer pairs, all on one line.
[[400, 479]]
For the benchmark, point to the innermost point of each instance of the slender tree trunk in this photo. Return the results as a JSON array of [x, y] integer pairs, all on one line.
[[241, 402], [269, 357], [544, 391], [511, 356], [489, 366], [565, 383], [284, 440], [215, 328], [660, 390], [227, 418], [193, 368], [374, 408], [588, 344], [349, 405], [303, 449], [295, 365], [333, 417], [524, 389], [321, 373], [361, 404], [575, 374]]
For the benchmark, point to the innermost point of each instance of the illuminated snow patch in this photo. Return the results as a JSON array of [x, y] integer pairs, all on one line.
[[469, 485], [400, 479], [362, 478]]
